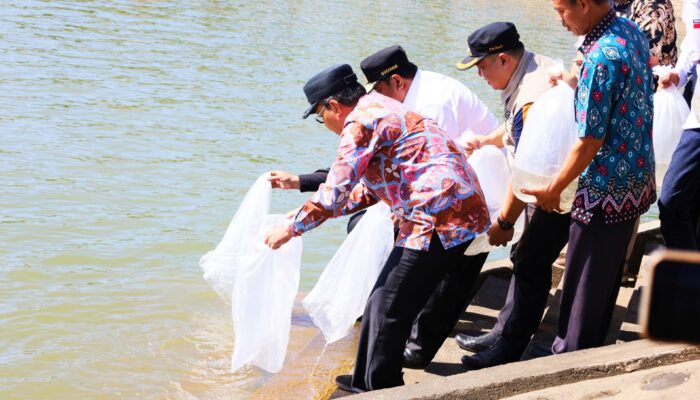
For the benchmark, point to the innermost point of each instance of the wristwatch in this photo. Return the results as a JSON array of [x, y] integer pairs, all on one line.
[[505, 225]]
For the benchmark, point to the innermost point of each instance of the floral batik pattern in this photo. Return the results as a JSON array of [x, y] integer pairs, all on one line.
[[614, 103], [388, 153], [655, 18]]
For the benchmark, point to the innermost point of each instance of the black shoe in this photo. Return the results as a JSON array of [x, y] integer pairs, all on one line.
[[344, 382], [413, 360], [498, 354], [476, 343]]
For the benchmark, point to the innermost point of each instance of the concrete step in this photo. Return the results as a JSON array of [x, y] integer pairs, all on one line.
[[540, 373], [671, 382], [541, 341], [648, 238], [628, 328], [620, 313]]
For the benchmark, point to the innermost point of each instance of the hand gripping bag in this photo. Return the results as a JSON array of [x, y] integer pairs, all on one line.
[[340, 295], [548, 136], [670, 113], [261, 283], [493, 172]]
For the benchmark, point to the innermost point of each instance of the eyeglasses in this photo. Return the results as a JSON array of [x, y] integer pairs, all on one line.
[[324, 107]]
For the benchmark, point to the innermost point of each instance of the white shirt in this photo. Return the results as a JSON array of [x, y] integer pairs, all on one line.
[[454, 108], [690, 52]]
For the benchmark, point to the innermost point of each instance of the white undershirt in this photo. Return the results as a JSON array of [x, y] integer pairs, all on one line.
[[455, 109], [690, 52]]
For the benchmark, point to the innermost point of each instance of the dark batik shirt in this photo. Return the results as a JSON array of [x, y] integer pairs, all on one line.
[[656, 18]]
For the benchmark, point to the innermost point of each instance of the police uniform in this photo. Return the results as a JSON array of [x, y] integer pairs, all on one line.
[[546, 233]]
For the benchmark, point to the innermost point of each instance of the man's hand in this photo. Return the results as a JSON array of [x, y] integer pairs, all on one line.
[[548, 199], [283, 180], [654, 61], [565, 76], [671, 78], [570, 77], [499, 237], [473, 143], [277, 236]]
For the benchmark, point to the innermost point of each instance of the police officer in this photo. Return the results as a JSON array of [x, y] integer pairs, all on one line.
[[502, 60]]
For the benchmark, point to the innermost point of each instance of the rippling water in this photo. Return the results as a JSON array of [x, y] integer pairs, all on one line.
[[130, 131]]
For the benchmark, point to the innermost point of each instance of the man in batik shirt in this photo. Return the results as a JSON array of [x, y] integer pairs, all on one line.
[[615, 160], [388, 153]]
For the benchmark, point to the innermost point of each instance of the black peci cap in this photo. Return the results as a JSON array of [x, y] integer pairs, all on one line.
[[327, 83], [493, 38], [384, 63]]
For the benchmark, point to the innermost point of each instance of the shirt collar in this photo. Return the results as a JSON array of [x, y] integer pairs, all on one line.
[[597, 31], [412, 95], [516, 79]]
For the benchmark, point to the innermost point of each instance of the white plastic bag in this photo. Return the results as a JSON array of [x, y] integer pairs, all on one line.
[[548, 136], [219, 264], [491, 167], [670, 113], [341, 292], [261, 283]]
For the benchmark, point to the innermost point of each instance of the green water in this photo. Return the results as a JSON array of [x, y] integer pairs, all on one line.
[[129, 133]]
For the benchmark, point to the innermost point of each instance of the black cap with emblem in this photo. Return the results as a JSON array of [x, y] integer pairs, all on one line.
[[493, 38], [328, 83], [384, 63]]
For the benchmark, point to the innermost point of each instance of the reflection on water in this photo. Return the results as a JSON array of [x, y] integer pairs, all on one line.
[[130, 130]]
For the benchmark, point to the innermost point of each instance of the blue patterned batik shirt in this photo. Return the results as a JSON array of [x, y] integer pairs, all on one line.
[[614, 103]]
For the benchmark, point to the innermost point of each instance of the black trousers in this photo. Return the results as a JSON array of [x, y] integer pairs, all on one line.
[[440, 315], [592, 276], [679, 202], [404, 287], [544, 238]]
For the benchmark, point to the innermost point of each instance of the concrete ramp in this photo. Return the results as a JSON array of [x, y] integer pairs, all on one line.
[[546, 372]]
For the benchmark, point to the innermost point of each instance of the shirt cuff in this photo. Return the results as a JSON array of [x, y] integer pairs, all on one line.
[[307, 183], [293, 230], [682, 75], [311, 182]]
